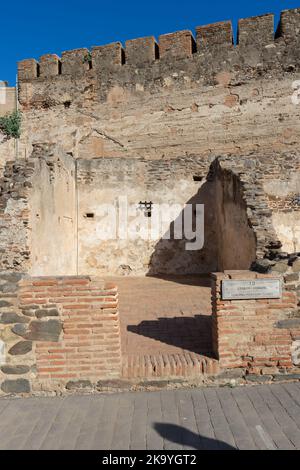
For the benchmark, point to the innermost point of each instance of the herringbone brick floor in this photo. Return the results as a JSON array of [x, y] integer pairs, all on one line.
[[165, 326], [165, 315]]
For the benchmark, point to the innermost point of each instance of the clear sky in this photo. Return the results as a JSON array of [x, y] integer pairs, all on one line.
[[35, 27]]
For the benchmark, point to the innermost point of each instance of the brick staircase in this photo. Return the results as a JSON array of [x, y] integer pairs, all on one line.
[[168, 366]]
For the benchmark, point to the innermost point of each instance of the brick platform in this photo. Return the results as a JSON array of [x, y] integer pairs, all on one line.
[[256, 334], [57, 330]]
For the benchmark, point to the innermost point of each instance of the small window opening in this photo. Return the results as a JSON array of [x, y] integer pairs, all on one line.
[[90, 215], [197, 178]]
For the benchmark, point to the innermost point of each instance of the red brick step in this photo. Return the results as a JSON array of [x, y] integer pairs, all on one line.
[[168, 366]]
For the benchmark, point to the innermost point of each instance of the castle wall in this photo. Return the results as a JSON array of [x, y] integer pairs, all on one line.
[[172, 99], [142, 120]]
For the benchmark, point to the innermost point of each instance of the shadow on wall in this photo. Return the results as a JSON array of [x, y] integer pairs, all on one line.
[[229, 240], [184, 437], [188, 333], [171, 256]]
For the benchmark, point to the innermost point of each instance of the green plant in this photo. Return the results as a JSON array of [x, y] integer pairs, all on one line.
[[11, 124], [87, 57]]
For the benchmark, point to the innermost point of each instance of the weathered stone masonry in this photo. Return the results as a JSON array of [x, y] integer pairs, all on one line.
[[162, 113], [183, 120], [206, 99]]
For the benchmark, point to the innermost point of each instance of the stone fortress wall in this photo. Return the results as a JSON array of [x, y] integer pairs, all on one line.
[[159, 114], [182, 120]]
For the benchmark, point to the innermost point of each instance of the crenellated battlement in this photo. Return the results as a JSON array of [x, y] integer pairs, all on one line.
[[186, 93], [255, 32]]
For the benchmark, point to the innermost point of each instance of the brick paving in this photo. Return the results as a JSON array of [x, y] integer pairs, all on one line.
[[165, 326], [258, 417]]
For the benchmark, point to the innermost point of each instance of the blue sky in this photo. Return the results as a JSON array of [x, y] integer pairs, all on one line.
[[36, 27]]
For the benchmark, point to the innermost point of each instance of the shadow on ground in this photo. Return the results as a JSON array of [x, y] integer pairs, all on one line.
[[185, 437], [188, 333]]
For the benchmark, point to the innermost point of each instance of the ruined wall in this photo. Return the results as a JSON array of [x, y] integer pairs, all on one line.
[[53, 213], [236, 239], [38, 214], [15, 232], [104, 181], [57, 333], [282, 186], [258, 188]]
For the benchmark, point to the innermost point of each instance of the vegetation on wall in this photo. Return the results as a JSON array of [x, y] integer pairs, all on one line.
[[10, 125]]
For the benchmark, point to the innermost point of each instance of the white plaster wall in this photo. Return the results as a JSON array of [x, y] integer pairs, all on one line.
[[104, 182], [286, 220], [287, 226], [53, 218]]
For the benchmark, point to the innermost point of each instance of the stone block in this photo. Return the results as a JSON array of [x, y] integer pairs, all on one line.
[[27, 69], [107, 57], [176, 45], [280, 267], [21, 348], [296, 266], [39, 330], [231, 374], [258, 378], [286, 377], [15, 386], [289, 323], [15, 369], [262, 265], [4, 303], [78, 384], [49, 65], [140, 51], [256, 31], [217, 35], [10, 317], [75, 62], [291, 277], [52, 312], [289, 25]]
